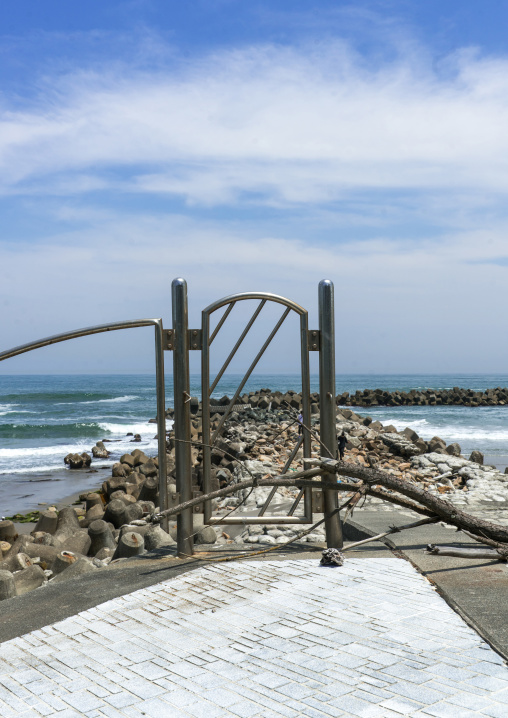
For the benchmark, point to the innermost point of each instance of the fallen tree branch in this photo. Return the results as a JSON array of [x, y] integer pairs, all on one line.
[[392, 530], [447, 511], [494, 554], [426, 503]]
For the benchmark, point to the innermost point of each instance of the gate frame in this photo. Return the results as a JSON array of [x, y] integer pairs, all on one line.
[[322, 341]]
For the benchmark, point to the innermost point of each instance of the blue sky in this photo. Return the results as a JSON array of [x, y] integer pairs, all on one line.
[[256, 145]]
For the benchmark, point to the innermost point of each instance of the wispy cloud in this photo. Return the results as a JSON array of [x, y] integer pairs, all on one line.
[[274, 124]]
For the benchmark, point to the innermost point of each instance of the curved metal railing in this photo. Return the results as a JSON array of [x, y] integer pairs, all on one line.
[[159, 374]]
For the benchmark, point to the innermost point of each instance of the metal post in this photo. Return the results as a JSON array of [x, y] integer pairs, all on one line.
[[182, 414], [327, 402], [161, 423]]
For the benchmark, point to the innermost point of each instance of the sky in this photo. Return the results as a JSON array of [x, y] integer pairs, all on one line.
[[257, 146]]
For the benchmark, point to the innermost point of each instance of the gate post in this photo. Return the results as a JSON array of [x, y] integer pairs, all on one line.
[[181, 383], [327, 408]]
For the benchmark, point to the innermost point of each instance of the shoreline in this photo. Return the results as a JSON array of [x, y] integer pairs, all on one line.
[[63, 487]]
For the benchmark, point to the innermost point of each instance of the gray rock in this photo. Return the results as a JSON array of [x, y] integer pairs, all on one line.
[[206, 535], [453, 449], [477, 457]]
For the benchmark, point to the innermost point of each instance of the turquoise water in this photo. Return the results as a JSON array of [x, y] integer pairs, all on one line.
[[43, 418]]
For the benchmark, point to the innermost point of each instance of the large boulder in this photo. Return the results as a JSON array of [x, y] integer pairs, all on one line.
[[477, 457], [400, 446], [78, 461], [99, 451], [453, 449]]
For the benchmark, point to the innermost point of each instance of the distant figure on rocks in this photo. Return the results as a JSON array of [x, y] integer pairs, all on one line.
[[300, 423], [342, 441]]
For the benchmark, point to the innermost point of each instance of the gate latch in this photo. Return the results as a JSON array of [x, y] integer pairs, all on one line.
[[314, 338]]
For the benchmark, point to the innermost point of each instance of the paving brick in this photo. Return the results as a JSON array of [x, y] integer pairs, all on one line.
[[375, 640]]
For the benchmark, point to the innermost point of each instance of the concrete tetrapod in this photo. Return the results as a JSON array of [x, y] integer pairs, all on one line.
[[80, 566], [7, 585], [62, 561], [47, 554], [131, 544], [133, 512], [17, 562], [156, 537], [101, 537], [79, 542], [93, 499], [28, 579], [68, 522], [149, 489], [8, 531], [115, 513], [48, 522]]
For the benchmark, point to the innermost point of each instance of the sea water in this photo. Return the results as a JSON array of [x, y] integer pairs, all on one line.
[[43, 418]]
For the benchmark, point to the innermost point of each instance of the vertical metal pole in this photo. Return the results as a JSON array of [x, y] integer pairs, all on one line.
[[307, 449], [161, 423], [182, 414], [205, 419], [327, 408]]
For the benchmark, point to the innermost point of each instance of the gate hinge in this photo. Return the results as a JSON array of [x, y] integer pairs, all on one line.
[[167, 340], [195, 339], [194, 336], [314, 339]]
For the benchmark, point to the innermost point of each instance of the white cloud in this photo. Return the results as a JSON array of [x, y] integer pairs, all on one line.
[[401, 306], [290, 125]]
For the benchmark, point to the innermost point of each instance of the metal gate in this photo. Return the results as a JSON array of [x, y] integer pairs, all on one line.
[[181, 340]]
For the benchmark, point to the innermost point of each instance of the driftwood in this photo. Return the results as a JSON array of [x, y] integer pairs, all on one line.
[[393, 530], [372, 482], [494, 554]]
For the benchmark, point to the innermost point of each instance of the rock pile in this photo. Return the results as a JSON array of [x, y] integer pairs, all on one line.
[[111, 524]]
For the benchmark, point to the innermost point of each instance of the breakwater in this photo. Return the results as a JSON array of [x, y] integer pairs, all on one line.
[[426, 397]]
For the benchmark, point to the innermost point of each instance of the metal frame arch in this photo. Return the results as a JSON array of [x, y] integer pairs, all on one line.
[[268, 296]]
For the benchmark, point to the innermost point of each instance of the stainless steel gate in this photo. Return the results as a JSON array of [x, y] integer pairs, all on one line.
[[183, 339]]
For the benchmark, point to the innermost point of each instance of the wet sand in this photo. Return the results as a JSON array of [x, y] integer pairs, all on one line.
[[22, 493]]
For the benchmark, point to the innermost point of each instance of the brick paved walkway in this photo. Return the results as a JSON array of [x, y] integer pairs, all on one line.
[[261, 639]]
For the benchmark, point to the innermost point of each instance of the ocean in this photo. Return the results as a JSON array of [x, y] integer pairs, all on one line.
[[43, 418]]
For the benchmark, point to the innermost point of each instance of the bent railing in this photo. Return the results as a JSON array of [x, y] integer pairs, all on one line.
[[159, 373]]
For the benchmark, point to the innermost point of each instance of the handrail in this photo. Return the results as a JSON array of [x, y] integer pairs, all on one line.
[[159, 374], [98, 329]]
